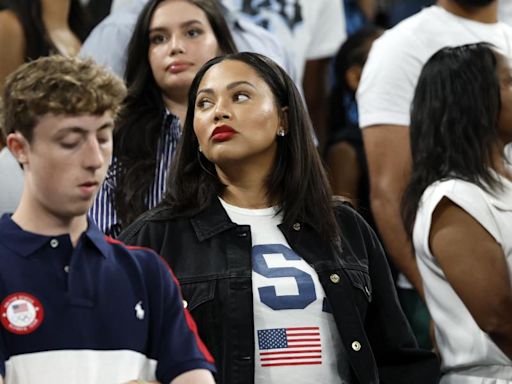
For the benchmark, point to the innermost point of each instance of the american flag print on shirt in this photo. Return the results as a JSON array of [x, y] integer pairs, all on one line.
[[290, 346], [22, 307]]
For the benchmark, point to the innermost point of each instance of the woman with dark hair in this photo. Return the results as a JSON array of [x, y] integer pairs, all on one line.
[[171, 41], [286, 285], [33, 28], [458, 209]]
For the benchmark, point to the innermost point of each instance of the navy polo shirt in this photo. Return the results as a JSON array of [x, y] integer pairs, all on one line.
[[100, 312]]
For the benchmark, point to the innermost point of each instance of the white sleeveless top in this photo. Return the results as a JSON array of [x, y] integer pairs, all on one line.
[[469, 356]]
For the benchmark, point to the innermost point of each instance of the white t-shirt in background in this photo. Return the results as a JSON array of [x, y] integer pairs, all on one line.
[[309, 29], [395, 61]]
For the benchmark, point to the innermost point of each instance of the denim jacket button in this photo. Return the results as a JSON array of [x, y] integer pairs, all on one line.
[[335, 278], [356, 346], [296, 226]]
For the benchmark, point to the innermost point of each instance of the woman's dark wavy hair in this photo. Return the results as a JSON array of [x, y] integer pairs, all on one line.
[[139, 126], [29, 13], [454, 121], [298, 183], [354, 51]]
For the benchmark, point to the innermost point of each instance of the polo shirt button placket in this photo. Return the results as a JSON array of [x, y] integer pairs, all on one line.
[[54, 243]]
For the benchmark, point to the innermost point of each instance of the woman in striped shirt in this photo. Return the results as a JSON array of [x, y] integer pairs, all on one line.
[[171, 41]]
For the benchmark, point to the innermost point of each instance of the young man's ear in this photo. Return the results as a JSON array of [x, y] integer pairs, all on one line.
[[18, 146]]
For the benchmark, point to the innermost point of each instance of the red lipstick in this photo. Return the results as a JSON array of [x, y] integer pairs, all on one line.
[[223, 133]]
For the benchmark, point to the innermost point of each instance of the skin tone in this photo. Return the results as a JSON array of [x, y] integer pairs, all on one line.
[[233, 96], [368, 7], [389, 164], [505, 117], [344, 171], [64, 165], [181, 41], [12, 38], [55, 18]]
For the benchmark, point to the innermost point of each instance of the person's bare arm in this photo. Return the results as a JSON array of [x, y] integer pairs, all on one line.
[[369, 8], [315, 93], [475, 266], [196, 376], [344, 171], [12, 45], [389, 165]]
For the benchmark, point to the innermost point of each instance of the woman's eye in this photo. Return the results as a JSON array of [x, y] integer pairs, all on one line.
[[240, 97], [157, 39], [204, 103], [194, 32]]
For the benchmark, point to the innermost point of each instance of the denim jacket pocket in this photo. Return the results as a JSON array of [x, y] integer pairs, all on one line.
[[360, 279], [197, 293]]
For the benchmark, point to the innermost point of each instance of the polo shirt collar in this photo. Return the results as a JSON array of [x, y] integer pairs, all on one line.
[[97, 237], [26, 243]]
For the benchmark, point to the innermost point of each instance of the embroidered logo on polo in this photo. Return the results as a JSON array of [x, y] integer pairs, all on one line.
[[21, 313], [139, 311]]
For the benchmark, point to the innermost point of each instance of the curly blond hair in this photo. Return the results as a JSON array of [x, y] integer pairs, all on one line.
[[57, 85]]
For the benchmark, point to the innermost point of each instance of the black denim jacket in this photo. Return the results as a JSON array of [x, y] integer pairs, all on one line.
[[211, 257]]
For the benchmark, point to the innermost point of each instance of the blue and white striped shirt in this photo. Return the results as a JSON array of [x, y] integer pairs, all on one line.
[[103, 212]]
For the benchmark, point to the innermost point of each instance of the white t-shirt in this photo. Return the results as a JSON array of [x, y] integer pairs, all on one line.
[[468, 354], [395, 61], [310, 29], [296, 338]]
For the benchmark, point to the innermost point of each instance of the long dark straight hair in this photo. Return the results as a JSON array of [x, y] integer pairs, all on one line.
[[297, 183], [139, 126], [454, 121], [29, 13]]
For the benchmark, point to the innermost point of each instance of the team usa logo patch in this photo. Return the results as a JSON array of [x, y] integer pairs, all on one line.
[[21, 313]]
